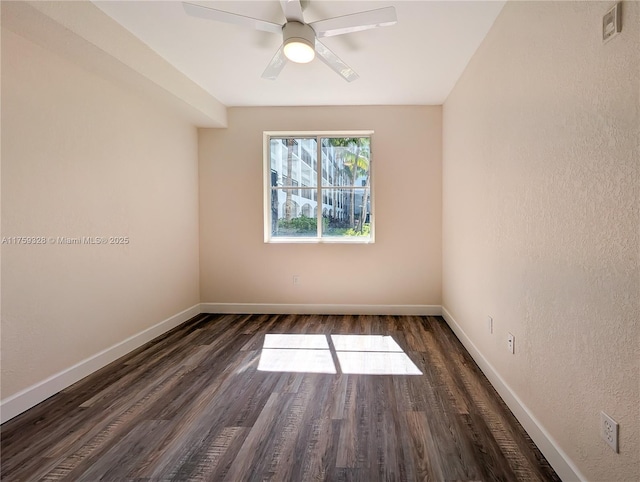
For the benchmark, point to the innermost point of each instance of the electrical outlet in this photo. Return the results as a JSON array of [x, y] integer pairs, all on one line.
[[609, 431], [490, 325], [511, 343], [296, 280]]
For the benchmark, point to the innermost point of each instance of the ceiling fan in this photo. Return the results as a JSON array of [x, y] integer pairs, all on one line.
[[300, 40]]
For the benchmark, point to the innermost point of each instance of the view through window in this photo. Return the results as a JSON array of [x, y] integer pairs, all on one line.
[[318, 187]]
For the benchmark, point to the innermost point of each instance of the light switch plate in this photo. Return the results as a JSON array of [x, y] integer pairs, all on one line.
[[612, 22]]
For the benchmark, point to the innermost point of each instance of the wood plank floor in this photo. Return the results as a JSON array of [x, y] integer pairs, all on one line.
[[203, 402]]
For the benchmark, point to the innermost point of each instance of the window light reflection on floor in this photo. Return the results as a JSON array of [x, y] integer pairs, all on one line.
[[376, 363], [296, 353], [365, 343], [296, 341], [356, 354], [296, 360]]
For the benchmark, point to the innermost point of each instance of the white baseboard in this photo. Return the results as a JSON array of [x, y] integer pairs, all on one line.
[[558, 459], [31, 396], [311, 309]]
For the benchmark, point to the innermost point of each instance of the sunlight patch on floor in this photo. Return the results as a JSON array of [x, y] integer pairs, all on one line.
[[355, 354], [377, 363], [296, 360], [365, 343], [295, 341]]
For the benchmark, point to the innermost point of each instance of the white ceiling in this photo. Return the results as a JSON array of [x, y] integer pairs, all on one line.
[[417, 61]]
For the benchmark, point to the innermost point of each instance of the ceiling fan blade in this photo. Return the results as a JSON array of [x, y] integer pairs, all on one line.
[[292, 10], [227, 17], [333, 61], [276, 65], [357, 22]]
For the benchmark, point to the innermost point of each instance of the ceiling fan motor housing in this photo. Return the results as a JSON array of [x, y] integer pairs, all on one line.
[[296, 32]]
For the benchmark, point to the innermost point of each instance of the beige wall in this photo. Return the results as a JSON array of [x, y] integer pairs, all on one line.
[[536, 216], [403, 267], [83, 157], [541, 218]]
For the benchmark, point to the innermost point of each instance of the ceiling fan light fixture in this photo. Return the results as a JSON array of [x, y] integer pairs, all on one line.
[[299, 52], [299, 42]]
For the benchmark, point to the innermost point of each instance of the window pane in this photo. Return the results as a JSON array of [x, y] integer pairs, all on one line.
[[342, 212], [293, 161], [292, 214], [345, 161]]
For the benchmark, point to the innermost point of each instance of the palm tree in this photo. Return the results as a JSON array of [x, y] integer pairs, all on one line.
[[288, 204], [365, 194], [355, 165]]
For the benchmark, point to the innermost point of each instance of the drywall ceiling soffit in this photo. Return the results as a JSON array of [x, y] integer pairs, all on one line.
[[417, 61], [81, 32]]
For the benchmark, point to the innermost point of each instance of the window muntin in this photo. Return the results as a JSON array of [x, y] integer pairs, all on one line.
[[318, 187]]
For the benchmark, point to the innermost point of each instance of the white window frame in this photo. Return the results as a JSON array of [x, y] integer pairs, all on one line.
[[268, 238]]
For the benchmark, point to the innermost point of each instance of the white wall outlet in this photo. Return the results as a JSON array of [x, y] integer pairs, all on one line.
[[609, 431], [296, 280], [490, 325], [511, 343]]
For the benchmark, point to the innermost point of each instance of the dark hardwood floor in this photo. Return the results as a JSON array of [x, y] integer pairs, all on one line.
[[204, 402]]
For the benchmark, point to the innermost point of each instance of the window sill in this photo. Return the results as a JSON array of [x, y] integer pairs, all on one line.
[[337, 240]]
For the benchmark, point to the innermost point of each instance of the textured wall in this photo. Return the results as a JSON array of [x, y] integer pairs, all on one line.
[[541, 220], [83, 157], [403, 266]]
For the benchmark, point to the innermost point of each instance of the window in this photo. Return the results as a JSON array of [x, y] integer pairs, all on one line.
[[318, 187]]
